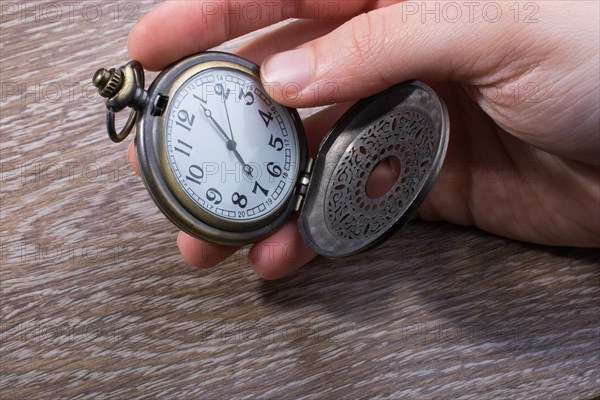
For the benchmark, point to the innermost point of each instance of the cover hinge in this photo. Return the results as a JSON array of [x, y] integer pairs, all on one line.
[[302, 185]]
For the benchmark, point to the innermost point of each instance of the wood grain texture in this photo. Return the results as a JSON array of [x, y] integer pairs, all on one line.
[[96, 302]]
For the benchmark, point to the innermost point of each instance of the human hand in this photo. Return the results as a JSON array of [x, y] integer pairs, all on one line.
[[521, 85]]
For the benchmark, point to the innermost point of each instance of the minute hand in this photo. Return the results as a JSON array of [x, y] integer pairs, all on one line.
[[231, 144], [228, 120], [208, 115]]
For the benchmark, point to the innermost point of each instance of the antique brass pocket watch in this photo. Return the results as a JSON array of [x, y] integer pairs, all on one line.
[[227, 164]]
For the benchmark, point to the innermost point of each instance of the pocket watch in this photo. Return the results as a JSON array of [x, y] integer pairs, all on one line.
[[227, 164]]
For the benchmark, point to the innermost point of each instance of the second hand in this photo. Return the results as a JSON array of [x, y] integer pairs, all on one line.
[[232, 144], [227, 111]]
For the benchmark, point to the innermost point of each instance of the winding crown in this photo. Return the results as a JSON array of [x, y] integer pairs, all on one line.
[[108, 82]]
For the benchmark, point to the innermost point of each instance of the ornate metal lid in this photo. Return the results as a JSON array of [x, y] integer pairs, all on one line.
[[408, 121]]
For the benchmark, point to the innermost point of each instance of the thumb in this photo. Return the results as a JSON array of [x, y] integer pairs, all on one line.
[[385, 46]]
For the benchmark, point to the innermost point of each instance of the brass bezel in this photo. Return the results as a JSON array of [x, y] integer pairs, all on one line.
[[167, 171], [160, 180]]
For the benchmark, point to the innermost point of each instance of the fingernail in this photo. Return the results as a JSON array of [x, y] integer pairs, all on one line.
[[293, 66], [179, 240]]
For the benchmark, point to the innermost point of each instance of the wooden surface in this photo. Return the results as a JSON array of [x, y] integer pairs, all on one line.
[[96, 302]]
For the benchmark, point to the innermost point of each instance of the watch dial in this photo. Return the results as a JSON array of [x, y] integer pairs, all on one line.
[[233, 150]]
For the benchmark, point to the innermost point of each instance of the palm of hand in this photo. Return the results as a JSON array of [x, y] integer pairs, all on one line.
[[494, 180], [523, 100]]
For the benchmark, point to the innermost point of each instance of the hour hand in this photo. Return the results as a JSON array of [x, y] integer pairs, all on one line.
[[231, 145]]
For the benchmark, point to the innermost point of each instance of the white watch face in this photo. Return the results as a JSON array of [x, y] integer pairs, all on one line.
[[233, 150]]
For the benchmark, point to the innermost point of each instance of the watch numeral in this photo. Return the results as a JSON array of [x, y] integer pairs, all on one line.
[[181, 150], [185, 119], [248, 96], [239, 200], [214, 196], [196, 174], [276, 143], [262, 189], [274, 169], [221, 92], [266, 116]]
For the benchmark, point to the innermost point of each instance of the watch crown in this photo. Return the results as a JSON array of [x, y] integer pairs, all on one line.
[[108, 82]]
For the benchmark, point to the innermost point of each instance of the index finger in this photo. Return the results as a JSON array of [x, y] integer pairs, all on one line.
[[179, 28]]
